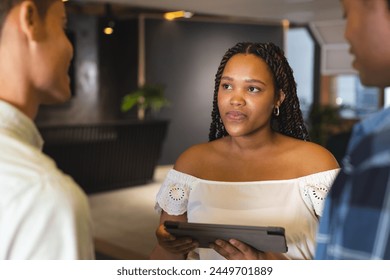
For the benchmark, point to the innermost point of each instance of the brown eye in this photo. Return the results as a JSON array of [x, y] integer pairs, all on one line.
[[226, 86], [253, 89]]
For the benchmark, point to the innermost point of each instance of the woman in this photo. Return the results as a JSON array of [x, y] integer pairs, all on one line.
[[258, 167]]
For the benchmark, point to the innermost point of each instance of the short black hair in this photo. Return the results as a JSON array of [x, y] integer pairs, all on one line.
[[7, 5]]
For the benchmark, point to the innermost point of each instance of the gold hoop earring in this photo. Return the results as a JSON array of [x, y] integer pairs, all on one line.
[[276, 111]]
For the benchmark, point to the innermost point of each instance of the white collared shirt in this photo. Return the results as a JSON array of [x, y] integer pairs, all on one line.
[[44, 214]]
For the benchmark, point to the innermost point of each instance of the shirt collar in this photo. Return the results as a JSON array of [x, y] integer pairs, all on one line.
[[19, 125]]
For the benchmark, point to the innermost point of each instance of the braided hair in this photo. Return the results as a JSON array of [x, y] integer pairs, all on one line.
[[290, 121]]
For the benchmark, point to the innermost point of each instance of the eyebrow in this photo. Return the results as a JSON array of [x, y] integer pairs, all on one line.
[[246, 80], [226, 78], [254, 81]]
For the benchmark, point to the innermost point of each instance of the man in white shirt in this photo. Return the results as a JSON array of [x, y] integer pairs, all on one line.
[[43, 213]]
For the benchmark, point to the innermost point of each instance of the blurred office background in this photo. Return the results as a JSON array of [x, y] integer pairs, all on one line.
[[113, 154]]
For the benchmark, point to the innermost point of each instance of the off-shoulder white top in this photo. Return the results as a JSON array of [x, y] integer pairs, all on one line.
[[293, 204]]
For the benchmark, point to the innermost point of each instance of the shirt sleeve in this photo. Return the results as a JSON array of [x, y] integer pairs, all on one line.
[[315, 188], [174, 193]]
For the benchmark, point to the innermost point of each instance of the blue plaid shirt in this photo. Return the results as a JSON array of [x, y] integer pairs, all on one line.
[[356, 220]]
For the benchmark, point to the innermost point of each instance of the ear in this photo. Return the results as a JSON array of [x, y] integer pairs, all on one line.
[[280, 98], [30, 22]]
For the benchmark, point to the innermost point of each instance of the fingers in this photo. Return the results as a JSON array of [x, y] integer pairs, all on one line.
[[174, 245], [180, 248], [163, 234], [242, 247], [227, 250], [235, 250]]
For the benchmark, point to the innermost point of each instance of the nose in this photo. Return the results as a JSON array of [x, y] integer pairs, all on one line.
[[237, 99]]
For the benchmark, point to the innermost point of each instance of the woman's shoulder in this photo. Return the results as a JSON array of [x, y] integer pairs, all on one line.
[[195, 158], [312, 157]]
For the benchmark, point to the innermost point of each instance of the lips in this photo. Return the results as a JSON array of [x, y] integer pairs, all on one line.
[[354, 58], [235, 115], [354, 64]]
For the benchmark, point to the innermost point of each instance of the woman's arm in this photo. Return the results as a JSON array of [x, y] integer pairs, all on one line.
[[169, 247]]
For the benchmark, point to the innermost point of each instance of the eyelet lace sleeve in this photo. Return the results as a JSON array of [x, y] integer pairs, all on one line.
[[174, 192], [315, 188]]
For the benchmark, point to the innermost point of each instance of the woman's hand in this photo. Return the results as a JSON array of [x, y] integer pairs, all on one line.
[[237, 250], [178, 246]]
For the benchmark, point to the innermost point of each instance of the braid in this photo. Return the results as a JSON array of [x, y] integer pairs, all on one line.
[[290, 121], [217, 129]]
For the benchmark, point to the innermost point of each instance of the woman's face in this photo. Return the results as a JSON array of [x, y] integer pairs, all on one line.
[[246, 95]]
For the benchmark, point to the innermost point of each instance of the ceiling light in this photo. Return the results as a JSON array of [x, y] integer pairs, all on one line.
[[177, 14], [285, 23], [108, 29]]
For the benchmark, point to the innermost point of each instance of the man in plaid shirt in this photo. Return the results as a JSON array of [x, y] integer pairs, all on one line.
[[356, 219]]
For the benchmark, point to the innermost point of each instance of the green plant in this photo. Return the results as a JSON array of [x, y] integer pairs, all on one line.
[[145, 97], [323, 120]]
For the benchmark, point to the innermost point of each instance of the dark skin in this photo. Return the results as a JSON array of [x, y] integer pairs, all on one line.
[[237, 250], [170, 247], [251, 152], [287, 156]]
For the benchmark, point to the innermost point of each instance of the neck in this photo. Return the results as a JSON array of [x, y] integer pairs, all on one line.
[[20, 96], [252, 142], [16, 88], [30, 111]]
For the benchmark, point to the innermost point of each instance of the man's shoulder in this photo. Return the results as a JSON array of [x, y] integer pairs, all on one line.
[[29, 172], [373, 144], [375, 122], [366, 168], [51, 185]]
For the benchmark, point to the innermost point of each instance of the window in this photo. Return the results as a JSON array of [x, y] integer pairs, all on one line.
[[387, 97], [300, 54], [354, 99]]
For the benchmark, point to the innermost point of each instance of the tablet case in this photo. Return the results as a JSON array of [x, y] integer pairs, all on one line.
[[266, 239]]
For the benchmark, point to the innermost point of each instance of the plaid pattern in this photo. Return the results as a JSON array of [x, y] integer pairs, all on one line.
[[373, 123], [356, 219]]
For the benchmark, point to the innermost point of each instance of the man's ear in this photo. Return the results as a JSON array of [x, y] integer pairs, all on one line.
[[281, 98], [30, 21]]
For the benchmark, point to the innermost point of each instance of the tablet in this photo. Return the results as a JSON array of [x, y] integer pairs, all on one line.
[[266, 239]]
